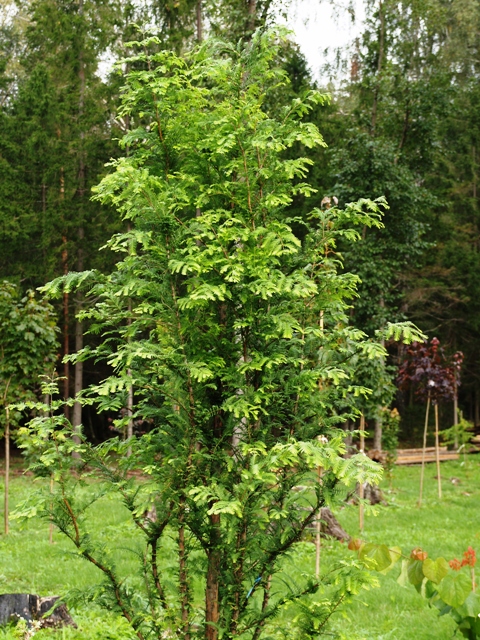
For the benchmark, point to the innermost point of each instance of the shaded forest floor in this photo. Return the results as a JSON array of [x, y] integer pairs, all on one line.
[[28, 563]]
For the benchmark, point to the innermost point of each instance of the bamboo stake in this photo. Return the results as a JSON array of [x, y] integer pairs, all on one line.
[[7, 467], [361, 487], [422, 472], [437, 453]]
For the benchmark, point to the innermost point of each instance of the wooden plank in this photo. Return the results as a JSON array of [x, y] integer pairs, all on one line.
[[450, 456], [417, 459], [414, 456], [428, 454], [415, 451]]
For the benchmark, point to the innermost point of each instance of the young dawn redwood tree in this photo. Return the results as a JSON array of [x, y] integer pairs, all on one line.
[[232, 329]]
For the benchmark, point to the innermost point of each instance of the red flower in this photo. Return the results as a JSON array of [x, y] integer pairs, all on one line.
[[455, 564], [469, 558]]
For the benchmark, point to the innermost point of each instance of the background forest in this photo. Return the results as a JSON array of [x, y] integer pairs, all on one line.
[[403, 122], [237, 258]]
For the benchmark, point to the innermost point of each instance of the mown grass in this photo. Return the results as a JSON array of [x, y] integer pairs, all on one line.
[[442, 528], [28, 563]]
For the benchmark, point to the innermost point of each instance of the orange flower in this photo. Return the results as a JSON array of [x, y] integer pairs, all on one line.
[[354, 544], [418, 554], [469, 558], [455, 564]]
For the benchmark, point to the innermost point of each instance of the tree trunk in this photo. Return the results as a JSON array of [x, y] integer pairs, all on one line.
[[32, 607], [78, 384], [381, 53], [348, 437], [318, 531], [252, 14], [213, 579], [476, 417], [66, 336], [130, 413], [403, 139], [183, 580], [330, 526], [7, 467], [455, 415], [130, 386], [377, 435], [199, 21], [361, 492]]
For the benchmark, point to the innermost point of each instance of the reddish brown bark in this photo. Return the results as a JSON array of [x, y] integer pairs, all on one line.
[[183, 579], [183, 575], [213, 581]]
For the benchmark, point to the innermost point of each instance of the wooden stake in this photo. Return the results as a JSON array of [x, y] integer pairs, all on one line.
[[129, 373], [50, 536], [455, 414], [437, 453], [361, 488], [130, 414], [7, 467], [318, 539], [425, 430]]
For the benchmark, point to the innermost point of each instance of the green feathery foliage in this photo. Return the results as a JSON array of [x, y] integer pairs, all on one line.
[[232, 331]]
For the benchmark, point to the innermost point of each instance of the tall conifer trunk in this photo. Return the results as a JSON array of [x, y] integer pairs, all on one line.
[[381, 53], [199, 21], [213, 580], [252, 14], [78, 384], [377, 435]]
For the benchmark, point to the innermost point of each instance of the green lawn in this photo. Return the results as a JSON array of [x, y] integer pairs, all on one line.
[[442, 528], [28, 563]]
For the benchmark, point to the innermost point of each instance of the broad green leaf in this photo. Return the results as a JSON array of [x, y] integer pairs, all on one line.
[[455, 588], [435, 570], [378, 554], [415, 571], [471, 606], [395, 554]]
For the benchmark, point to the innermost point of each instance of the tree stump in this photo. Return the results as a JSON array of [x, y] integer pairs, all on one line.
[[371, 493], [330, 526], [34, 608]]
